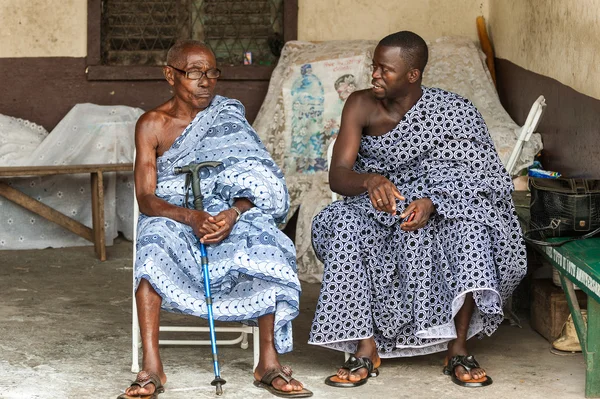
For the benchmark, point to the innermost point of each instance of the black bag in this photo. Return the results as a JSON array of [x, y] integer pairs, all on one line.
[[563, 208]]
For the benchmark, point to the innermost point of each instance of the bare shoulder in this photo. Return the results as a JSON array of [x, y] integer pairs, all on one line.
[[151, 120], [361, 99], [359, 106]]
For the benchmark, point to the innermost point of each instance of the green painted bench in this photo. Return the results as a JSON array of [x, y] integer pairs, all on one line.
[[578, 262]]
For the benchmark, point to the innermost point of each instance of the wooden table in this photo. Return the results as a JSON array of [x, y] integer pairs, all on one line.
[[96, 233]]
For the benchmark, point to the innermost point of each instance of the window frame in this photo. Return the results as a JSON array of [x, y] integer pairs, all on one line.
[[96, 71]]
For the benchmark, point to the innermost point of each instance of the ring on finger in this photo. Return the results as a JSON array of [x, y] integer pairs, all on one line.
[[379, 200]]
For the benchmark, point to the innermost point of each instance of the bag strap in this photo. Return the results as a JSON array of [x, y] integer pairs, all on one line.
[[553, 225]]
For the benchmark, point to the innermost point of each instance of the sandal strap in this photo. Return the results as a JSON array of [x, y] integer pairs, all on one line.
[[468, 362], [144, 378], [284, 372], [353, 363]]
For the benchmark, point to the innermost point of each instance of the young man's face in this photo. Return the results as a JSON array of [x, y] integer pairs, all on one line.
[[391, 76], [198, 93]]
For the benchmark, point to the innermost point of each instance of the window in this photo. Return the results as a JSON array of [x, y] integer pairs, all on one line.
[[127, 39]]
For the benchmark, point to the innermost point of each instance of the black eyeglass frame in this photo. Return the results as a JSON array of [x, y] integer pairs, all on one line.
[[202, 73]]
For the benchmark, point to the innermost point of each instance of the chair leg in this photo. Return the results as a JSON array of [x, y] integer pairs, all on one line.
[[135, 337], [244, 344], [135, 326], [255, 346]]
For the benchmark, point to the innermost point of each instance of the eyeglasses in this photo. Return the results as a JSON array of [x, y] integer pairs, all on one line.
[[196, 75]]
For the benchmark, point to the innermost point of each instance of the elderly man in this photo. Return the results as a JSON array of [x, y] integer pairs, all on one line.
[[426, 246], [252, 263]]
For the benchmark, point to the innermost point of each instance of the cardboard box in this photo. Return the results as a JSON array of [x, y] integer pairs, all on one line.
[[549, 308]]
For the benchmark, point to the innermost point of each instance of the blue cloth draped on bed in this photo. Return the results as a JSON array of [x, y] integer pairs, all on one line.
[[404, 288], [253, 271]]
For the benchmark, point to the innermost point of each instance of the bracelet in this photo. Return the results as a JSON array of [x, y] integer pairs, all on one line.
[[237, 210]]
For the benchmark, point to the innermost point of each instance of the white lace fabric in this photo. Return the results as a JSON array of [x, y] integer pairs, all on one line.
[[88, 134]]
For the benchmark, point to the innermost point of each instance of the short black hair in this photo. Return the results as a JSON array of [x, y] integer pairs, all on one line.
[[414, 49], [175, 51]]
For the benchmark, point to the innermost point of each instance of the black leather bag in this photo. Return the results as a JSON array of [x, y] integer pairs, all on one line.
[[563, 208]]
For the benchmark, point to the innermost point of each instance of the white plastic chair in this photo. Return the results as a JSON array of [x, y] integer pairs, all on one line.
[[242, 339], [334, 196], [531, 123]]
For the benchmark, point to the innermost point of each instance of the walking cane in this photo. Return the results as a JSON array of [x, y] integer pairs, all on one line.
[[194, 169]]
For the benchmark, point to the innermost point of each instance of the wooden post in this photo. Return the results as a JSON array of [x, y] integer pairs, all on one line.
[[94, 23], [486, 46], [290, 20], [98, 214]]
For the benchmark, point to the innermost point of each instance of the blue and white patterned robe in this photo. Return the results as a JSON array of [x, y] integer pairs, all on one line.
[[404, 287], [253, 271]]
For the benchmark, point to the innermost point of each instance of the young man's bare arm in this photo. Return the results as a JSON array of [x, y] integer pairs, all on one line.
[[344, 180]]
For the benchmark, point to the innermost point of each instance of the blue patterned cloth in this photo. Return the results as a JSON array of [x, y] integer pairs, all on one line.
[[253, 271], [404, 288]]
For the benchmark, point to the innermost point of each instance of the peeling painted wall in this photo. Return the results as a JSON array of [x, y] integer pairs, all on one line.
[[43, 28], [556, 38], [366, 19]]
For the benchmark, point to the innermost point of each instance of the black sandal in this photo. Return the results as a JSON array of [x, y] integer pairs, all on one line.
[[467, 362], [352, 364]]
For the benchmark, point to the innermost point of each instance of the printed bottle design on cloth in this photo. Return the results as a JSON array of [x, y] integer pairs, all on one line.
[[307, 122]]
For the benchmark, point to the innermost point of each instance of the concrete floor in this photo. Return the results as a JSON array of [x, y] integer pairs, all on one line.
[[65, 333]]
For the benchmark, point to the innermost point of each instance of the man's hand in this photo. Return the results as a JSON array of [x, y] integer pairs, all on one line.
[[383, 193], [417, 213], [224, 221], [201, 223]]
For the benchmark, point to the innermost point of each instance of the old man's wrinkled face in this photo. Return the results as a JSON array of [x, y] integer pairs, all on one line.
[[194, 88]]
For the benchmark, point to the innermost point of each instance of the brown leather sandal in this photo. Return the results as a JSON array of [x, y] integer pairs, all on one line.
[[142, 379], [285, 373]]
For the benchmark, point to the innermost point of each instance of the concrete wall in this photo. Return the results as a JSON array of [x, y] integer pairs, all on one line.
[[58, 28], [552, 48], [555, 38], [541, 46], [43, 28], [366, 19]]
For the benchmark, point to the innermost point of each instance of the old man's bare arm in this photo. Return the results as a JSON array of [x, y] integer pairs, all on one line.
[[147, 140]]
